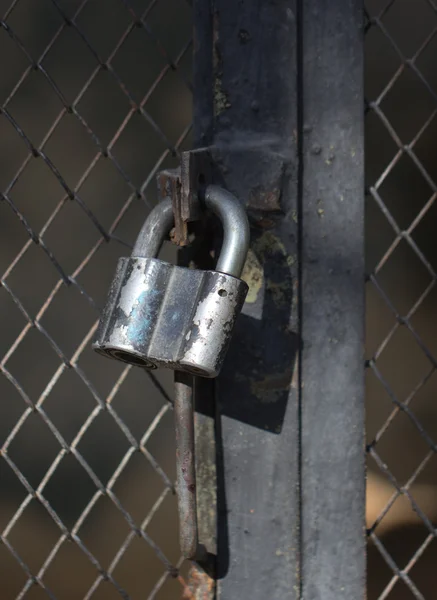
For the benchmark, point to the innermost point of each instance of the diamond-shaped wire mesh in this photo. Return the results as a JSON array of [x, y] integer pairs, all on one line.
[[94, 99], [401, 150]]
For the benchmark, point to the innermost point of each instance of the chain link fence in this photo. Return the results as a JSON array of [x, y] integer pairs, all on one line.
[[95, 99], [401, 148]]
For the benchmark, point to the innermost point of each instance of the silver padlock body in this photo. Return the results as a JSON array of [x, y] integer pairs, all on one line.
[[159, 314]]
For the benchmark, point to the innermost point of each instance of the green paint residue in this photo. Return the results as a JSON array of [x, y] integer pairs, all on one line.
[[253, 275], [221, 100]]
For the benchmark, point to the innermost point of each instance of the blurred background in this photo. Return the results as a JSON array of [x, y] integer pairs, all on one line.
[[95, 99]]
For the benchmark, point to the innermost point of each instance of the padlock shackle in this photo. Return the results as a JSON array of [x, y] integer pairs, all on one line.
[[154, 231], [236, 233], [231, 214]]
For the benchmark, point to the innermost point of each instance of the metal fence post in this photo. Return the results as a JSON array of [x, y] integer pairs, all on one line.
[[332, 301], [279, 97], [245, 107]]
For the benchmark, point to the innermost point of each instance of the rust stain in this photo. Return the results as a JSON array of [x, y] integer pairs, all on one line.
[[265, 200], [200, 586]]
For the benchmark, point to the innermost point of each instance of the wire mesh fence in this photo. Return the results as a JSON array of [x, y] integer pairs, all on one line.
[[401, 38], [95, 98]]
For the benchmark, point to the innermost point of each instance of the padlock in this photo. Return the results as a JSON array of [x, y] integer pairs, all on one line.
[[162, 315]]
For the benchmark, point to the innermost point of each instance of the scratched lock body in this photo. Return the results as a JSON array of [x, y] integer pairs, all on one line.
[[162, 315]]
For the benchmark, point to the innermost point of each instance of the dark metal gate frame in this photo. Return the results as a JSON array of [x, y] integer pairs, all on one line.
[[278, 97]]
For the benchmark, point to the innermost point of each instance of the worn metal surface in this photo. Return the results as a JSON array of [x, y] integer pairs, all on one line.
[[280, 457], [196, 174], [184, 186], [169, 187], [186, 468], [200, 585], [159, 314], [154, 230], [332, 301], [246, 114], [206, 467], [232, 215], [199, 254]]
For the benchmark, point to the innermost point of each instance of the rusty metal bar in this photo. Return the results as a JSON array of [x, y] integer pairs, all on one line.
[[184, 186], [185, 464], [186, 468]]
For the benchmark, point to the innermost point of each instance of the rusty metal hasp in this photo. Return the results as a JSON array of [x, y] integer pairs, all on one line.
[[163, 315]]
